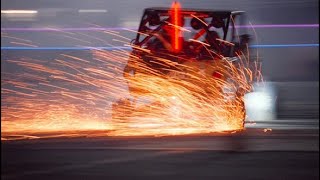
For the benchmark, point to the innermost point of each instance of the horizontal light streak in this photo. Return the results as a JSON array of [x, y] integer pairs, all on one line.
[[135, 28]]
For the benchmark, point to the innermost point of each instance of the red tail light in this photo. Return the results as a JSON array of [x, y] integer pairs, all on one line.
[[217, 74]]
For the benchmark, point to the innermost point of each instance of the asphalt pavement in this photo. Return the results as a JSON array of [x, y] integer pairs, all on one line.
[[252, 154]]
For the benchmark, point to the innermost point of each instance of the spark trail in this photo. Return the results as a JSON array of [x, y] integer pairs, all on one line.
[[71, 96]]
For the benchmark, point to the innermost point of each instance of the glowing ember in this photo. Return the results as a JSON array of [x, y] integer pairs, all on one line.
[[267, 129]]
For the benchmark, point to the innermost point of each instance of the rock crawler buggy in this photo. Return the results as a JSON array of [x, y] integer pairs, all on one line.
[[169, 38]]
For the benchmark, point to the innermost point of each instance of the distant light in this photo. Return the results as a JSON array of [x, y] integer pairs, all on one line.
[[259, 100], [92, 11], [261, 103], [19, 12], [19, 15]]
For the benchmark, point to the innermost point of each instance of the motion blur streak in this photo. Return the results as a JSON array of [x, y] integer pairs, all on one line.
[[122, 29], [19, 11], [129, 48]]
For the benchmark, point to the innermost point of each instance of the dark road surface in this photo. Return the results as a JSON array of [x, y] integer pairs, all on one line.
[[279, 154]]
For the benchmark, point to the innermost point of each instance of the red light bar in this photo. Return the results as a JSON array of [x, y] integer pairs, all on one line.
[[176, 22]]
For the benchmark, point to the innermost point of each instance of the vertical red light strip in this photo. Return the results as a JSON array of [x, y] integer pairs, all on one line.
[[176, 21]]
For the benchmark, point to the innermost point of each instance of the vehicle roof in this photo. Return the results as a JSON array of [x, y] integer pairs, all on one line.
[[187, 11]]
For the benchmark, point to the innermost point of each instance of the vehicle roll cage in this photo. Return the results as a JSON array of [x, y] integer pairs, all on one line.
[[228, 17]]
